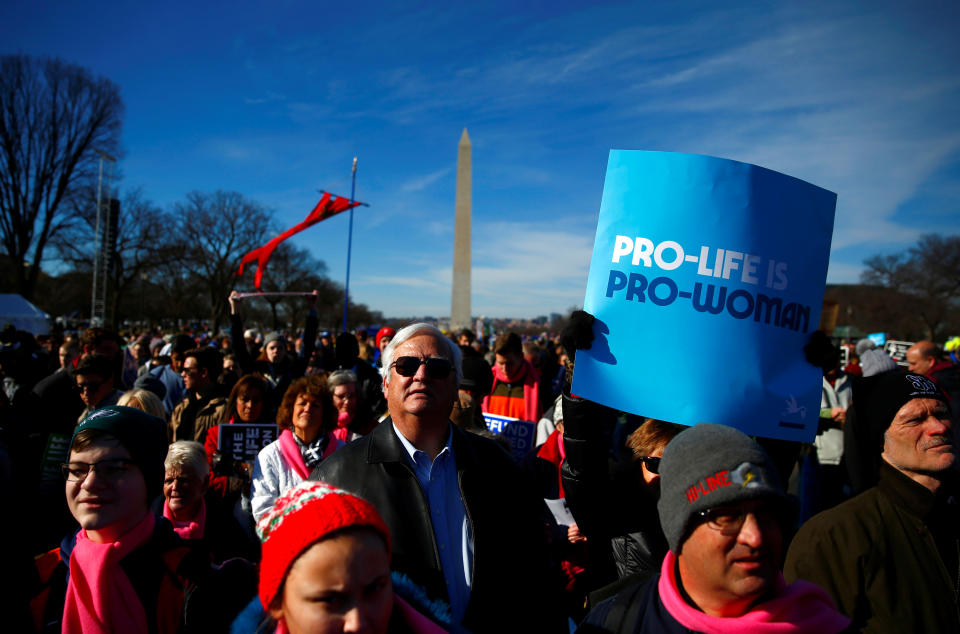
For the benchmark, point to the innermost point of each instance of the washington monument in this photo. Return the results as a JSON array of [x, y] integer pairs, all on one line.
[[460, 304]]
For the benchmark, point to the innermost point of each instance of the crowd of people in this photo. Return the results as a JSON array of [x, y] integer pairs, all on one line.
[[382, 502]]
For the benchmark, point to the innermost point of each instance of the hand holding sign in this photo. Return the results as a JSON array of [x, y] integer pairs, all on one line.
[[706, 280]]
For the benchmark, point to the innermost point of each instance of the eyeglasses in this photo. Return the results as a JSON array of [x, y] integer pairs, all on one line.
[[109, 469], [437, 367], [91, 386], [653, 463], [729, 519]]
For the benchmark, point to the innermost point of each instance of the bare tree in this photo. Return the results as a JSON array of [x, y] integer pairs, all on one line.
[[929, 273], [54, 116], [143, 245], [216, 231]]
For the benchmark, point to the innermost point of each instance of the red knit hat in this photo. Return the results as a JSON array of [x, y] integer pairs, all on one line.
[[385, 332], [302, 516]]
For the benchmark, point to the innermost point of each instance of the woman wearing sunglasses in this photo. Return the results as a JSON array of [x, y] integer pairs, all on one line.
[[306, 418]]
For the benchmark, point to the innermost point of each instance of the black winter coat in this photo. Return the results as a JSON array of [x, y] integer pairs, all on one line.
[[515, 587]]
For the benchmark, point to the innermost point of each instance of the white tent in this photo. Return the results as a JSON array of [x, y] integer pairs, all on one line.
[[14, 309]]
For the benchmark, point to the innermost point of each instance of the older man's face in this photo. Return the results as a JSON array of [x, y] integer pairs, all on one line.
[[420, 394], [920, 440], [732, 558]]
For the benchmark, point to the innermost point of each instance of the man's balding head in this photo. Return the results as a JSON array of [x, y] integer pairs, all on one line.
[[922, 356]]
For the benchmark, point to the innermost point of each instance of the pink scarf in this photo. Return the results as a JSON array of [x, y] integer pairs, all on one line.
[[341, 433], [799, 607], [191, 529], [100, 597], [290, 451]]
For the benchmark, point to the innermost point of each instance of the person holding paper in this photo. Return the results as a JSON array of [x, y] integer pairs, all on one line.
[[245, 406]]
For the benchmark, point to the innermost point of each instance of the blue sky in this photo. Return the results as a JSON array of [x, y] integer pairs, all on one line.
[[275, 99]]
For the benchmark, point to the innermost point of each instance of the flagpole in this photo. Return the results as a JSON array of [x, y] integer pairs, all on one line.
[[346, 286]]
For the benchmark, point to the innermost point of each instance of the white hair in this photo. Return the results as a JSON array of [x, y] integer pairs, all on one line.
[[187, 455], [408, 332], [341, 377]]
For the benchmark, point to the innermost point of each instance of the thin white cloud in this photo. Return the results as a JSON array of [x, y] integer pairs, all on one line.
[[423, 182]]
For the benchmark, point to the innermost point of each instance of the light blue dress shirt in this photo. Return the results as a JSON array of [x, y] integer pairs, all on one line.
[[448, 515]]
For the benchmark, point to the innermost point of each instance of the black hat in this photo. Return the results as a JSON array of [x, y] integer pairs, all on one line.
[[890, 391], [143, 435]]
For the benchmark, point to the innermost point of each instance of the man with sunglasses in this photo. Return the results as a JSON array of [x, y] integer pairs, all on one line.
[[95, 381], [723, 512], [447, 494]]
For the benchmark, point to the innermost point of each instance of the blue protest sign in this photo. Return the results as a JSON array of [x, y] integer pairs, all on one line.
[[879, 338], [706, 280], [521, 434]]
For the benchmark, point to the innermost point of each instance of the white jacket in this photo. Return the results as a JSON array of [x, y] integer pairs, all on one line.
[[272, 477]]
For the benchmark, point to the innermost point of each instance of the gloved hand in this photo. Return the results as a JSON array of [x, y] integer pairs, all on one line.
[[578, 333], [821, 352]]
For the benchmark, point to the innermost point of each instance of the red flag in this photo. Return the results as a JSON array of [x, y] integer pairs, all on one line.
[[327, 207]]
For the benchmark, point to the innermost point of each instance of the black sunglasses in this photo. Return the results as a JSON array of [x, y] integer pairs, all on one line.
[[437, 367], [653, 464]]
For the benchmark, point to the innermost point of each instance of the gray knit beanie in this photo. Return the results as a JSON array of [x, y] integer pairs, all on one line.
[[272, 336], [876, 361], [864, 345], [710, 465]]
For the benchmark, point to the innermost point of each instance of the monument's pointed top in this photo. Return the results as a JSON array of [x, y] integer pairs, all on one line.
[[464, 138]]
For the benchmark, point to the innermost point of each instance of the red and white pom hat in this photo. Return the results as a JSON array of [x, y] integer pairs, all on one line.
[[302, 516]]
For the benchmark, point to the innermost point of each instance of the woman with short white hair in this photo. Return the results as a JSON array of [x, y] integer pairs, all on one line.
[[354, 417], [185, 481], [185, 505]]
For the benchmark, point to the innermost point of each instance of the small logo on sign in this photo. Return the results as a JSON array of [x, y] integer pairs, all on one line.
[[794, 408]]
